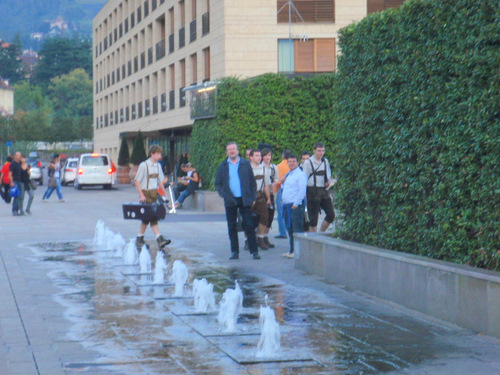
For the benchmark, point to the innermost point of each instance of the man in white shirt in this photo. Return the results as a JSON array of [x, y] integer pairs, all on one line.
[[148, 179], [294, 194]]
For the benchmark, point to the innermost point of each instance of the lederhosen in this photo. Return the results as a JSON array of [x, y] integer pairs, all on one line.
[[260, 205], [318, 197], [151, 195]]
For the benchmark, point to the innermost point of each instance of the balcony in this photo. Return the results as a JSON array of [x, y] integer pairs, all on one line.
[[205, 24], [192, 31], [182, 37], [160, 49]]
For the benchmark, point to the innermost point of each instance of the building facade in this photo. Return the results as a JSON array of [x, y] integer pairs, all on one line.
[[147, 51]]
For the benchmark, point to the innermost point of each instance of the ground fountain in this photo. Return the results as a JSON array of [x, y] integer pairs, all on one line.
[[230, 308], [99, 233], [160, 267], [179, 277], [118, 244], [145, 260], [204, 300], [130, 253], [269, 342]]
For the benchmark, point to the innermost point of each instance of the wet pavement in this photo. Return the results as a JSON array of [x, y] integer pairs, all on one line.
[[69, 306]]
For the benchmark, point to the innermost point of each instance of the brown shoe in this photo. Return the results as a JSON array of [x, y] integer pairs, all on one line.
[[269, 244], [261, 243]]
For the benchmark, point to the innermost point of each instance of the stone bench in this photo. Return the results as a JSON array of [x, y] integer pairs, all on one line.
[[204, 201], [466, 296]]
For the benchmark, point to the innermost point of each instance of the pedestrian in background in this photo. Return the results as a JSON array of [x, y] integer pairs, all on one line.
[[15, 180], [271, 178], [235, 183], [54, 173], [5, 180], [283, 170], [294, 194], [28, 187]]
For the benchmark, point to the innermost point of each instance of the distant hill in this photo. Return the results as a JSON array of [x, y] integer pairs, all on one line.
[[36, 16]]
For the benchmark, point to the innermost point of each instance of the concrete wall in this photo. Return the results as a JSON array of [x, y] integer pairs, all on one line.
[[205, 201], [463, 295]]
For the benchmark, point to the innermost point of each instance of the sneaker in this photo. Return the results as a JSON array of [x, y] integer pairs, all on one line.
[[255, 256], [61, 200], [139, 243], [288, 255], [234, 256], [162, 241], [280, 236]]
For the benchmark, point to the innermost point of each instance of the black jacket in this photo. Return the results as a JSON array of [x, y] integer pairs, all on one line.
[[247, 180]]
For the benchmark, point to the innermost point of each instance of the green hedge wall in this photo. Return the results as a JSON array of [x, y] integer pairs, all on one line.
[[285, 112], [418, 131]]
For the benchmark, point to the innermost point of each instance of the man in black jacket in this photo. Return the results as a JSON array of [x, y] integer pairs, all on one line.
[[235, 183]]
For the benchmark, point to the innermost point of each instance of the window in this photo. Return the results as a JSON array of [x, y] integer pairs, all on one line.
[[379, 5], [311, 11], [206, 64], [194, 69], [313, 55]]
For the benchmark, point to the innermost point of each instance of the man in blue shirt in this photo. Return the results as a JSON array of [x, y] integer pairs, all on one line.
[[294, 193], [235, 183]]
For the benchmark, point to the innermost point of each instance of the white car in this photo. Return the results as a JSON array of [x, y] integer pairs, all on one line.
[[68, 174], [94, 169]]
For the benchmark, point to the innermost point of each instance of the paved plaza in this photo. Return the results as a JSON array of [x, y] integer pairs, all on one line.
[[67, 307]]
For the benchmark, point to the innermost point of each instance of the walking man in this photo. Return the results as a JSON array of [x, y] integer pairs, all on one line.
[[263, 197], [148, 179], [294, 194], [318, 172], [235, 183]]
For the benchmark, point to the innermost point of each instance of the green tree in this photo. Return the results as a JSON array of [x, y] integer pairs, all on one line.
[[71, 95], [60, 56], [138, 152], [11, 67]]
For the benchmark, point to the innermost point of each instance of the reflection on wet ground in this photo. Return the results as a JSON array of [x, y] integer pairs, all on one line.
[[136, 327]]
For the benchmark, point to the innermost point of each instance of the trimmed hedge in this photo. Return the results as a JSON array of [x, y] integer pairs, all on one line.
[[123, 154], [285, 112], [417, 130], [138, 151]]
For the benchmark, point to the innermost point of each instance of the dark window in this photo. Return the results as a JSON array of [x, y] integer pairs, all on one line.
[[150, 55], [127, 113], [171, 43], [146, 8], [121, 115], [147, 107], [118, 75], [160, 49], [192, 31], [205, 24], [155, 105], [182, 37], [163, 102], [143, 60], [124, 70], [106, 120], [112, 77], [126, 25], [136, 64], [134, 114], [182, 98], [171, 95], [139, 14], [139, 109], [120, 30], [132, 20], [154, 4]]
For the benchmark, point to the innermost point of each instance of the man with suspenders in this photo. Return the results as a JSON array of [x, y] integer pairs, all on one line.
[[147, 180], [263, 198], [318, 172]]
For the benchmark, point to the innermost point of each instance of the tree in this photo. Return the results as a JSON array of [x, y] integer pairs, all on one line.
[[59, 56], [71, 95], [123, 155], [11, 67], [138, 152]]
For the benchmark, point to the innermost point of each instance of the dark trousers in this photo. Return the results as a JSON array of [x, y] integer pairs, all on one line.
[[5, 192], [294, 221], [246, 215]]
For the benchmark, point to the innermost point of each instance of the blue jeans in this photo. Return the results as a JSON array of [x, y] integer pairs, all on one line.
[[280, 218], [186, 193], [17, 202], [50, 190], [294, 219]]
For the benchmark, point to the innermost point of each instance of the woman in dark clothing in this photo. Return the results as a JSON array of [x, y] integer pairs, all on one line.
[[25, 179]]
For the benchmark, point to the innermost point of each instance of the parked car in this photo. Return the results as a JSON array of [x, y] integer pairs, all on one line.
[[36, 171], [94, 169], [68, 172]]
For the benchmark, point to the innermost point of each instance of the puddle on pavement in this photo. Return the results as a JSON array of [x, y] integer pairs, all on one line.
[[136, 325]]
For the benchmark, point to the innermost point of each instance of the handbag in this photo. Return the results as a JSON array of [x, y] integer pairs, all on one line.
[[14, 192], [33, 185], [52, 182]]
